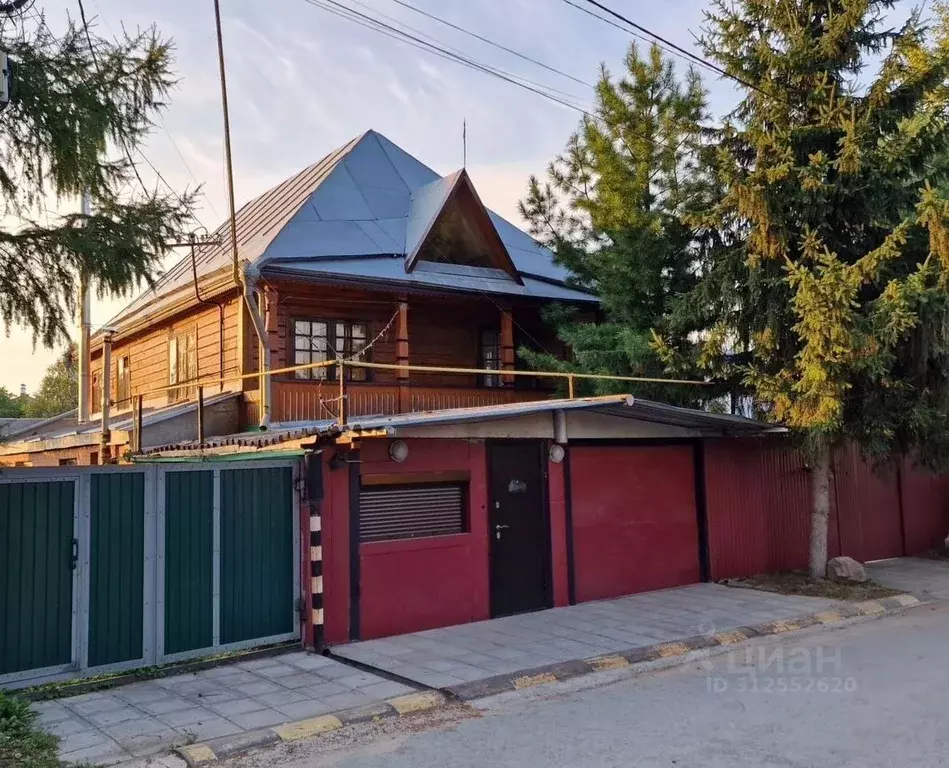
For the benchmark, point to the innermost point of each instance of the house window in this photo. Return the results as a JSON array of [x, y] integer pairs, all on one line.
[[95, 393], [411, 511], [182, 366], [490, 356], [67, 462], [123, 382], [316, 341]]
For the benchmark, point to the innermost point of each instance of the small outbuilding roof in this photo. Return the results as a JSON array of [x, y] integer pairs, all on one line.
[[698, 422]]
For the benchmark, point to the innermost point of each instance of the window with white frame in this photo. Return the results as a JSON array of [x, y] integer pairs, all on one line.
[[316, 341]]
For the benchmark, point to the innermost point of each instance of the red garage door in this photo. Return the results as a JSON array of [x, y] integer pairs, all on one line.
[[635, 525]]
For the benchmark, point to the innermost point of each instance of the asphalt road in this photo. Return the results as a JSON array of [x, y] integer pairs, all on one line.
[[871, 694]]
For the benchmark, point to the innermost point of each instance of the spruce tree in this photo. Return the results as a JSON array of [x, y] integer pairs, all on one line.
[[81, 108], [834, 167], [615, 209]]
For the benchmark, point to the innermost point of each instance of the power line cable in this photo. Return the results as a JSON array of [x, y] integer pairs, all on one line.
[[95, 62], [402, 26], [171, 138], [490, 42], [439, 50], [677, 49]]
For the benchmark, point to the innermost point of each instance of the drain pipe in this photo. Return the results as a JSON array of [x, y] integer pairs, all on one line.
[[251, 275]]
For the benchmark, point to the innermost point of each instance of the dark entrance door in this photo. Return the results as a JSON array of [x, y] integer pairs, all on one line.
[[518, 528]]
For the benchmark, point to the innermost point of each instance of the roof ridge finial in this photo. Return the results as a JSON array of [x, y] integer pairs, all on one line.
[[464, 142]]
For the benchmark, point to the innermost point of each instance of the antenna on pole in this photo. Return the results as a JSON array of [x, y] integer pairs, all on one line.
[[464, 143]]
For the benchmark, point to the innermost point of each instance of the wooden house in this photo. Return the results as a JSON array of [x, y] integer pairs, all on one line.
[[367, 255]]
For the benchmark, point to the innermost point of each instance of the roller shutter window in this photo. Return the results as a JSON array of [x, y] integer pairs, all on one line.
[[394, 512]]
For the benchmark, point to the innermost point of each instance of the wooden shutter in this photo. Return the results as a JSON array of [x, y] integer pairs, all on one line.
[[409, 512]]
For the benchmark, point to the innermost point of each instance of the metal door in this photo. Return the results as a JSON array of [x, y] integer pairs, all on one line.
[[520, 544]]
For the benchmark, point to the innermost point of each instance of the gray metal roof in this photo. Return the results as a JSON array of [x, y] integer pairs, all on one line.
[[356, 212], [65, 425]]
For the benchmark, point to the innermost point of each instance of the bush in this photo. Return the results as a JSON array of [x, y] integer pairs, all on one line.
[[22, 743]]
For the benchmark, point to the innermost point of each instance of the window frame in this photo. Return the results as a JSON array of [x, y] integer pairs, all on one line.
[[487, 380], [355, 375], [187, 388], [123, 381]]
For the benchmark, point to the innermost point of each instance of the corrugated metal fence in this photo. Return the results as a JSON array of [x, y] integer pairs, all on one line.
[[758, 503], [110, 568]]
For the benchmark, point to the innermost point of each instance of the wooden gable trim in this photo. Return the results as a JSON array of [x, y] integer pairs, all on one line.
[[497, 250]]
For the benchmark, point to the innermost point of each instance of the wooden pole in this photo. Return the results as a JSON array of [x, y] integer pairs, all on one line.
[[138, 423], [402, 357], [341, 375], [507, 347], [200, 415]]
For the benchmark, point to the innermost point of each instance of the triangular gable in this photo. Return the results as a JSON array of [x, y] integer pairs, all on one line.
[[449, 224]]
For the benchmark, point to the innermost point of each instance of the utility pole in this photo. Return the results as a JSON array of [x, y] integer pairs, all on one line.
[[85, 311], [227, 142]]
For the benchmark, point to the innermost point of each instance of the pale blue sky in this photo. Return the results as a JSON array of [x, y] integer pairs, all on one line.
[[302, 82]]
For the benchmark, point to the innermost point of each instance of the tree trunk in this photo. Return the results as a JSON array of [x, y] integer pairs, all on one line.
[[820, 512]]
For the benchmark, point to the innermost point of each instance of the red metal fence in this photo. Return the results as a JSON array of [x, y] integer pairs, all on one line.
[[758, 505]]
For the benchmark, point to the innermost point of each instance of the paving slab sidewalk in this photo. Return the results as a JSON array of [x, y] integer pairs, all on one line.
[[447, 657], [146, 718], [926, 578]]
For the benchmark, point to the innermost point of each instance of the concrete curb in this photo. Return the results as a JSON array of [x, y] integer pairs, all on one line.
[[570, 669], [203, 753]]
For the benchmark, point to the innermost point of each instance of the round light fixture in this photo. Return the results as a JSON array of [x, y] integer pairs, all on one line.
[[557, 453], [398, 450]]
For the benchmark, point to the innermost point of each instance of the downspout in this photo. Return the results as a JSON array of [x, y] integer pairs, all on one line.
[[249, 283]]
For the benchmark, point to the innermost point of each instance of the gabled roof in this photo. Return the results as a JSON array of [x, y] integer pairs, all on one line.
[[447, 215], [351, 213]]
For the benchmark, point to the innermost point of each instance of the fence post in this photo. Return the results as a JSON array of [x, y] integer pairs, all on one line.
[[570, 387]]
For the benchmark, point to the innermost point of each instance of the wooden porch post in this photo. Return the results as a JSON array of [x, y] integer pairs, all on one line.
[[507, 346], [272, 325], [402, 357]]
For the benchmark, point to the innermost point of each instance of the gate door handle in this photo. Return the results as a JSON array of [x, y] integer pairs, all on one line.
[[74, 558], [498, 528]]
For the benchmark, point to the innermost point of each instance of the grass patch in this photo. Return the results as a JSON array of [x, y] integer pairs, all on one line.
[[800, 583], [22, 743]]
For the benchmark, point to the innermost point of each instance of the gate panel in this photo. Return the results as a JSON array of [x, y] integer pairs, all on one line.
[[36, 575], [117, 560], [188, 556], [257, 583]]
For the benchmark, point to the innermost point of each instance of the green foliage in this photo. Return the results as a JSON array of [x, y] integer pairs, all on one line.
[[834, 175], [10, 407], [617, 210], [22, 743], [77, 116], [59, 389]]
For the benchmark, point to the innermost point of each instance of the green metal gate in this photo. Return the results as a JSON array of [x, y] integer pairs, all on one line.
[[117, 568], [256, 553], [110, 568], [38, 558]]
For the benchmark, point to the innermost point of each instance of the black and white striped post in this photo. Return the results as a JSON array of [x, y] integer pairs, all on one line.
[[314, 499]]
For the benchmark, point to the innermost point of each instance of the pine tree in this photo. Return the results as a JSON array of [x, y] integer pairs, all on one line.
[[835, 170], [81, 108], [616, 209]]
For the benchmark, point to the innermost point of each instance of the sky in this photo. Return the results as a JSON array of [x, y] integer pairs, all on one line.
[[302, 82]]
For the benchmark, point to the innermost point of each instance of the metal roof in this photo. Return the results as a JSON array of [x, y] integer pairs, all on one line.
[[367, 199], [617, 406], [65, 425]]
